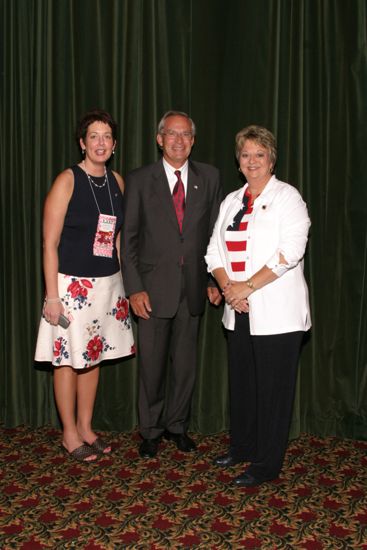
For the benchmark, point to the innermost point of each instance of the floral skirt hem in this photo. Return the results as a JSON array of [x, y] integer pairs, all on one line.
[[100, 325]]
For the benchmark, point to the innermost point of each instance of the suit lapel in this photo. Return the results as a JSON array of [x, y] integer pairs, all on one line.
[[193, 194], [162, 190]]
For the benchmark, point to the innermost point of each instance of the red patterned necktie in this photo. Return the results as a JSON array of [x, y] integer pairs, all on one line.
[[178, 197]]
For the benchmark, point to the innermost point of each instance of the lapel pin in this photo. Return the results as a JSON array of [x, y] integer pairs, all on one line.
[[196, 187]]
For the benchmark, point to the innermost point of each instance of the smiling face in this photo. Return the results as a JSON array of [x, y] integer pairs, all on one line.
[[255, 164], [176, 140], [98, 143]]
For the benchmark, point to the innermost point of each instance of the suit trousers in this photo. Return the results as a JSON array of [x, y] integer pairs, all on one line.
[[263, 375], [167, 369]]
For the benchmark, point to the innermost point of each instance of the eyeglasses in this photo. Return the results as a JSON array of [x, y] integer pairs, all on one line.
[[172, 134]]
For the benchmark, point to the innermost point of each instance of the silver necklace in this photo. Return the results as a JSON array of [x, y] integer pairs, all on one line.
[[94, 195], [91, 180]]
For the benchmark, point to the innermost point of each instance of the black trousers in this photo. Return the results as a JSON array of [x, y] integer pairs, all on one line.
[[165, 397], [263, 375]]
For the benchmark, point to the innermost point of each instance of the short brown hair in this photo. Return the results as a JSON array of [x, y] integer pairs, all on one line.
[[94, 116], [260, 135]]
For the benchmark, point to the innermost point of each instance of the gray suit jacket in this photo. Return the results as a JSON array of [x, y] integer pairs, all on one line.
[[151, 243]]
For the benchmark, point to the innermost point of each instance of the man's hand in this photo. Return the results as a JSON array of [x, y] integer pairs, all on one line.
[[214, 295], [140, 304]]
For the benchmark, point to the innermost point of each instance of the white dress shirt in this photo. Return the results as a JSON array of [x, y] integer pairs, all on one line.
[[171, 176]]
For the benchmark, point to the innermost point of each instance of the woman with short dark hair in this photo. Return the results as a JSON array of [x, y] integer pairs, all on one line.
[[85, 317]]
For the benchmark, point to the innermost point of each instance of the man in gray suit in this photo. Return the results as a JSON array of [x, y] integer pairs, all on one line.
[[170, 208]]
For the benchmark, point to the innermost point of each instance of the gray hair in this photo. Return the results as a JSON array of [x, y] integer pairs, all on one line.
[[176, 113]]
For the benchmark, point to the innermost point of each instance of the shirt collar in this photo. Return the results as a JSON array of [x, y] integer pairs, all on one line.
[[171, 169]]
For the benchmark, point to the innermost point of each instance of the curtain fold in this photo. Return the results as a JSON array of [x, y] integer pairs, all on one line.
[[298, 67]]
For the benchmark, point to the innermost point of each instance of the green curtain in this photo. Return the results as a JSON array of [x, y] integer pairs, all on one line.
[[298, 67]]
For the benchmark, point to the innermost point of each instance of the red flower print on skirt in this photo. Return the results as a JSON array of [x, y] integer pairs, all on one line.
[[76, 290], [57, 348], [121, 312], [77, 293], [94, 348], [86, 282], [100, 328], [60, 350], [122, 309]]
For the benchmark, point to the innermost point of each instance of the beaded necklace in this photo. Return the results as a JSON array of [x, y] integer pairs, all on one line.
[[91, 180]]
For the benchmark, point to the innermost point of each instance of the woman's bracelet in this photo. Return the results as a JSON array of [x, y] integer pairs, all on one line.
[[53, 300]]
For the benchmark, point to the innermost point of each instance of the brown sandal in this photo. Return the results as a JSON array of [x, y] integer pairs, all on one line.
[[99, 446], [82, 453]]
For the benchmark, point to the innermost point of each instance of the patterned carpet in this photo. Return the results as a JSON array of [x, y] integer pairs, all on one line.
[[178, 501]]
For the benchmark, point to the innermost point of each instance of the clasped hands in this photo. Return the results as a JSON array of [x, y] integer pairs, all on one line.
[[236, 294]]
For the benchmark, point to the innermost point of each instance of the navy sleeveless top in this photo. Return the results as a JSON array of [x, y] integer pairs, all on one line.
[[80, 225]]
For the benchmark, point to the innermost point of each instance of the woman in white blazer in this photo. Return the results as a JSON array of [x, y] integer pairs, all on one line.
[[256, 256]]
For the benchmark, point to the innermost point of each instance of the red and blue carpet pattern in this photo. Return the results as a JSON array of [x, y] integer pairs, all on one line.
[[176, 500]]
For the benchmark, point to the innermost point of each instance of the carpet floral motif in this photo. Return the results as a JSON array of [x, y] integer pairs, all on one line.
[[176, 500]]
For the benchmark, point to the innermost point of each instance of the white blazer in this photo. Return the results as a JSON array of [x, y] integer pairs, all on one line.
[[279, 224]]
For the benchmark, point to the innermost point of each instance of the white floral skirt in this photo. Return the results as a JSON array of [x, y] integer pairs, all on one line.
[[100, 325]]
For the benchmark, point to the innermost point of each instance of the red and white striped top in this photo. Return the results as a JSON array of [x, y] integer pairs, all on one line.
[[236, 238]]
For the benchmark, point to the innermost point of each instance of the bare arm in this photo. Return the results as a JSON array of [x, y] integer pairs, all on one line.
[[120, 181], [55, 208], [221, 277]]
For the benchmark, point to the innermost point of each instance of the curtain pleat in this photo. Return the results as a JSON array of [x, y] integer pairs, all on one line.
[[298, 67]]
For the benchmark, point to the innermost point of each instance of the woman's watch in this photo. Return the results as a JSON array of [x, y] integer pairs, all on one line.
[[250, 284]]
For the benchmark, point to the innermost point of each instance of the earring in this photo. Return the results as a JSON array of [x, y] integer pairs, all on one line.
[[83, 152], [113, 151]]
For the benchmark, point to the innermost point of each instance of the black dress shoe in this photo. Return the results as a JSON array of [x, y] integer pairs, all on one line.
[[149, 448], [226, 461], [183, 442], [247, 480]]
